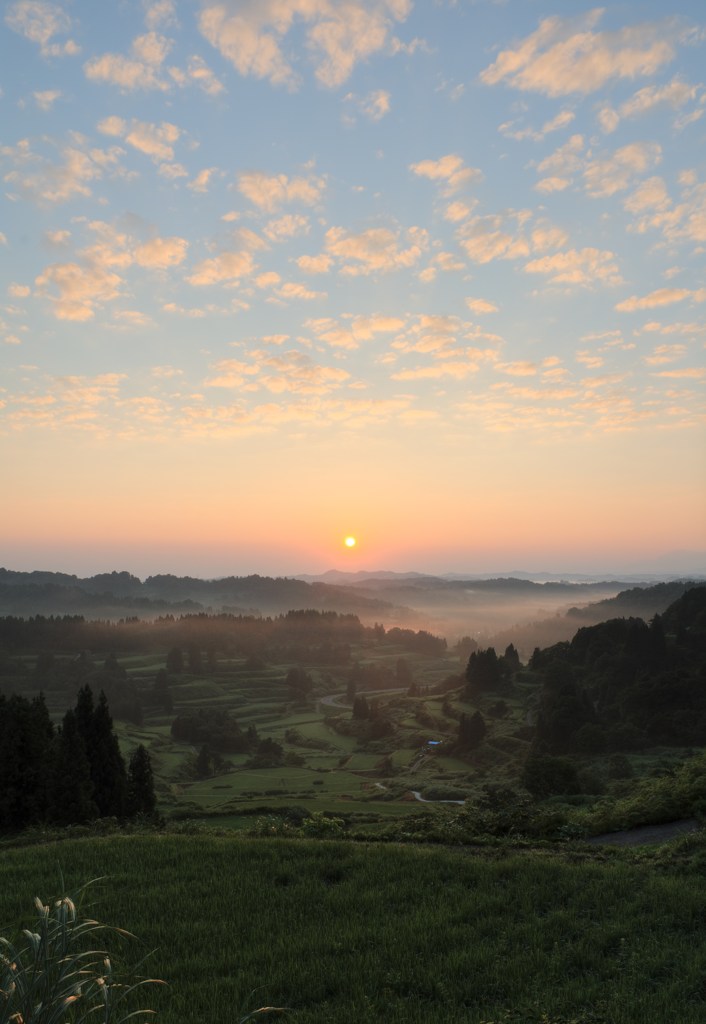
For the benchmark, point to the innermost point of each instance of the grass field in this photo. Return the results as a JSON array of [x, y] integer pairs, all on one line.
[[351, 933]]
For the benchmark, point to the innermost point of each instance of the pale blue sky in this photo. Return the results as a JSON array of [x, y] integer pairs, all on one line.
[[277, 271]]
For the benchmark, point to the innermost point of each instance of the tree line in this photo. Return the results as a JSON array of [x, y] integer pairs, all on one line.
[[70, 774]]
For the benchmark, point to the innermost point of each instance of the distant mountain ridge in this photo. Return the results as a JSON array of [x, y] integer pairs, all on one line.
[[453, 607]]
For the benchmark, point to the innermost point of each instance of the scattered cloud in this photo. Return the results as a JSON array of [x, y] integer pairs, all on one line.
[[288, 226], [40, 22], [665, 354], [159, 13], [81, 289], [45, 100], [353, 330], [674, 94], [141, 70], [338, 36], [18, 291], [376, 250], [450, 171], [507, 236], [374, 106], [38, 179], [481, 306], [561, 120], [564, 55], [154, 140], [617, 172], [161, 253], [295, 290], [320, 264], [660, 297], [202, 180], [291, 372], [269, 192], [584, 267], [228, 267]]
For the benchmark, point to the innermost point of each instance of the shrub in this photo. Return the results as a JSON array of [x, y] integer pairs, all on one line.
[[56, 973]]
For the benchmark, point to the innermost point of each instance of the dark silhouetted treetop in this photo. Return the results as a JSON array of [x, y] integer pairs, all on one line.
[[140, 784]]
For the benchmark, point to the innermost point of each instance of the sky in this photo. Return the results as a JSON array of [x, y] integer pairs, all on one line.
[[279, 272]]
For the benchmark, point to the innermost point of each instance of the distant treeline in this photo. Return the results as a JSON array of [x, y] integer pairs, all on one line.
[[247, 635], [116, 592]]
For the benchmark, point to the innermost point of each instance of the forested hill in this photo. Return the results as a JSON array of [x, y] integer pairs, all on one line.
[[625, 685], [115, 594]]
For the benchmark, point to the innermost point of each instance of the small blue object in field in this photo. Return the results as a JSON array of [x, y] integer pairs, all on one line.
[[433, 743]]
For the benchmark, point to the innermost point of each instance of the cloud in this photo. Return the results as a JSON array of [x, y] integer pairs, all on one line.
[[289, 373], [49, 182], [608, 119], [159, 12], [681, 221], [694, 372], [294, 290], [606, 177], [267, 279], [458, 369], [665, 354], [377, 250], [481, 306], [40, 22], [449, 171], [675, 94], [692, 329], [228, 267], [133, 318], [161, 253], [354, 329], [660, 297], [507, 236], [519, 368], [561, 120], [314, 264], [374, 106], [46, 100], [288, 226], [564, 56], [18, 291], [199, 72], [578, 267], [201, 182], [154, 140], [338, 35], [457, 211], [552, 184], [81, 289], [269, 192], [142, 70]]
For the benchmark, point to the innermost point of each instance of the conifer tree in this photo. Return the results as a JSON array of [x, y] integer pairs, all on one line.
[[71, 790], [140, 784]]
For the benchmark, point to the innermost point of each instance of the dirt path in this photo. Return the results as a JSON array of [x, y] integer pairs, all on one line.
[[647, 834]]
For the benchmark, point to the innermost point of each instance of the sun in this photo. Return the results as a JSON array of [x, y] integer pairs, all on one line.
[[350, 542]]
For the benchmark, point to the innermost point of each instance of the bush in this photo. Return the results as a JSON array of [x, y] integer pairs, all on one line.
[[57, 974]]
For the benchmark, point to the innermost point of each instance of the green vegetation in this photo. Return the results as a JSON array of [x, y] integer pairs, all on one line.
[[55, 973], [230, 717], [346, 932], [400, 825]]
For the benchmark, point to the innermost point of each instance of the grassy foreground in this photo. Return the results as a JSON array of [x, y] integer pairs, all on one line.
[[346, 933]]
